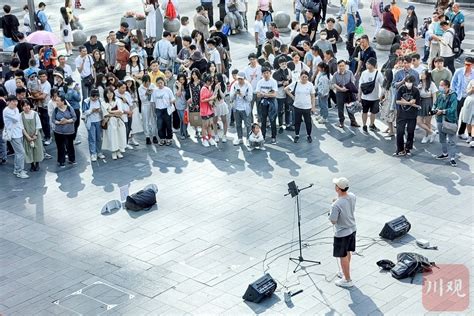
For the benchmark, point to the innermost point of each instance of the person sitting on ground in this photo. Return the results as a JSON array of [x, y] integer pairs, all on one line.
[[256, 139]]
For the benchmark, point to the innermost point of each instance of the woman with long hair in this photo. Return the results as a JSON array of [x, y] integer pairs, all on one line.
[[149, 6], [322, 91], [148, 110], [66, 30], [221, 109], [137, 124], [411, 22], [100, 65], [180, 87], [198, 40], [207, 98], [428, 92], [192, 95], [211, 69], [135, 69], [32, 140], [114, 136], [125, 103]]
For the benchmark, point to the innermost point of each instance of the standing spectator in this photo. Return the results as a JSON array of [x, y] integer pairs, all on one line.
[[446, 110], [201, 22], [125, 104], [100, 66], [322, 91], [48, 57], [180, 88], [26, 20], [65, 68], [395, 10], [122, 58], [43, 18], [377, 14], [10, 25], [115, 138], [332, 34], [265, 6], [303, 94], [312, 21], [428, 91], [298, 9], [111, 50], [45, 89], [370, 99], [148, 112], [85, 67], [339, 81], [71, 92], [92, 112], [342, 217], [352, 20], [260, 32], [66, 31], [456, 17], [32, 143], [366, 52], [408, 104], [243, 7], [63, 121], [221, 109], [185, 29], [467, 112], [209, 7], [14, 127], [283, 78], [266, 92], [407, 43], [297, 42], [446, 44], [439, 72], [24, 51], [253, 73], [416, 63], [163, 99], [3, 147], [241, 95], [150, 6], [434, 28], [164, 52], [93, 44], [411, 22], [207, 96], [461, 79], [124, 34]]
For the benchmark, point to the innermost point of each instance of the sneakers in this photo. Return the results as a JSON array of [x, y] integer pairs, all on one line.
[[274, 141], [373, 128], [77, 142], [453, 163], [355, 124], [399, 154], [442, 156], [322, 121], [280, 130], [148, 141], [162, 142], [129, 147], [62, 165], [463, 136], [100, 156], [205, 143], [296, 139], [408, 152], [47, 142], [309, 139], [119, 155], [133, 142], [471, 144], [237, 141], [425, 139], [469, 139], [155, 140], [114, 156], [344, 283], [212, 142], [22, 175], [432, 137], [47, 156], [169, 142], [339, 274], [364, 128], [224, 139], [93, 157]]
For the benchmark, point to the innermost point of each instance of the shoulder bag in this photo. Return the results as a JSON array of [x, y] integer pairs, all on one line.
[[368, 87]]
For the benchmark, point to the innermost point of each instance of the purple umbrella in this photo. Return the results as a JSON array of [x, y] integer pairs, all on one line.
[[43, 38]]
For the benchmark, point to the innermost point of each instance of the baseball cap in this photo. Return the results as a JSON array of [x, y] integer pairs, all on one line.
[[342, 183], [411, 7], [241, 75]]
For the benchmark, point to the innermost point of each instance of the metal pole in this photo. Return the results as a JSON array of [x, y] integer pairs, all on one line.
[[31, 11]]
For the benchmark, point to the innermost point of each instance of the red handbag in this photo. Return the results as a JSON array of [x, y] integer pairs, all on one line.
[[186, 117]]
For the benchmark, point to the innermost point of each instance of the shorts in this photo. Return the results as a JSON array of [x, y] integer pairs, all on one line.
[[342, 245], [207, 117], [370, 106]]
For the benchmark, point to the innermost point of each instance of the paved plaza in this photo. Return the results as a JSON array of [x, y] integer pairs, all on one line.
[[222, 220]]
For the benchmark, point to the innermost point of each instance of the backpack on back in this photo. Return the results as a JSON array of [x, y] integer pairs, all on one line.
[[38, 24], [456, 47], [409, 264]]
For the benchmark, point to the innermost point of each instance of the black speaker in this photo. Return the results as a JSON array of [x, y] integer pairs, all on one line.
[[395, 228], [260, 289]]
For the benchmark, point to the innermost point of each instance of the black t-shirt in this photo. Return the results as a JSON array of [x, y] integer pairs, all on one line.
[[98, 45], [407, 111], [9, 23], [223, 37], [3, 105], [313, 26], [298, 41], [333, 34], [23, 50], [411, 23], [364, 55]]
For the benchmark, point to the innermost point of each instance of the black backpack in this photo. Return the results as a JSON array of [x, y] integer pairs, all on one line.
[[456, 48], [38, 24], [409, 264], [311, 5], [143, 200]]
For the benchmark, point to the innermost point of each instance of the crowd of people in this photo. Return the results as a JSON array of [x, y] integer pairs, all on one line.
[[173, 86]]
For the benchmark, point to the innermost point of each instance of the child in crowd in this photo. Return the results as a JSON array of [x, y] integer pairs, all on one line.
[[256, 139]]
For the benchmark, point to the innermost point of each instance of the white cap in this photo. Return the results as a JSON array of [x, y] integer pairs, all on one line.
[[342, 183]]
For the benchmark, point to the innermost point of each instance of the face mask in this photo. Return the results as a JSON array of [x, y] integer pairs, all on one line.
[[323, 37], [104, 81], [442, 89], [409, 85]]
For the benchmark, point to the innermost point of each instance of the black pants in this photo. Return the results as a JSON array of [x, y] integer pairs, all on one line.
[[163, 121], [284, 110], [77, 122], [175, 120], [462, 126], [210, 11], [409, 124], [449, 63], [301, 114], [264, 115], [45, 125], [332, 97], [340, 100], [65, 143], [324, 7]]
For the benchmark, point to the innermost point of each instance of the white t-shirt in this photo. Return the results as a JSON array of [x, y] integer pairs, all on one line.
[[241, 7], [265, 86], [253, 75], [134, 70], [444, 49], [162, 98], [419, 69], [302, 94], [87, 69], [429, 93], [368, 76], [215, 57], [260, 29]]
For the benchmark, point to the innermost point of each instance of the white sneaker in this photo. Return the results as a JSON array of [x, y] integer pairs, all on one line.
[[22, 175], [212, 142], [343, 283], [205, 143], [16, 172], [339, 274], [129, 147], [432, 137], [119, 155], [424, 140], [463, 136], [133, 142], [469, 139], [224, 139], [101, 156], [216, 138], [322, 121], [47, 142], [471, 144], [237, 141], [93, 157], [77, 142], [114, 156]]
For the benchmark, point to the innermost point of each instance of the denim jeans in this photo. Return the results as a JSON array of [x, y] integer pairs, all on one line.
[[323, 106], [297, 15], [242, 116], [19, 163], [94, 137], [448, 142], [163, 122], [183, 128], [426, 54], [3, 147]]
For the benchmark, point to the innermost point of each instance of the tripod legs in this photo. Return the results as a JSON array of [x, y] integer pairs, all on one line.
[[300, 260]]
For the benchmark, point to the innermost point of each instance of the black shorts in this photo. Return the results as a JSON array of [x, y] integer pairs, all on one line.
[[344, 244], [207, 117], [370, 106]]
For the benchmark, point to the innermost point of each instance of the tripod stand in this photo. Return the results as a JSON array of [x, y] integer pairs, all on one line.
[[293, 190]]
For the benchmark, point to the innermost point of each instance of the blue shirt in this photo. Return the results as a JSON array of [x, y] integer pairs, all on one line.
[[401, 74], [460, 81], [44, 19], [456, 18]]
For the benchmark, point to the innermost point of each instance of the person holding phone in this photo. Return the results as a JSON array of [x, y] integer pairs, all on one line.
[[267, 107]]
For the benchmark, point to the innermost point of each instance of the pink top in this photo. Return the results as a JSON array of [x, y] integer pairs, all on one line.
[[264, 5], [205, 108]]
